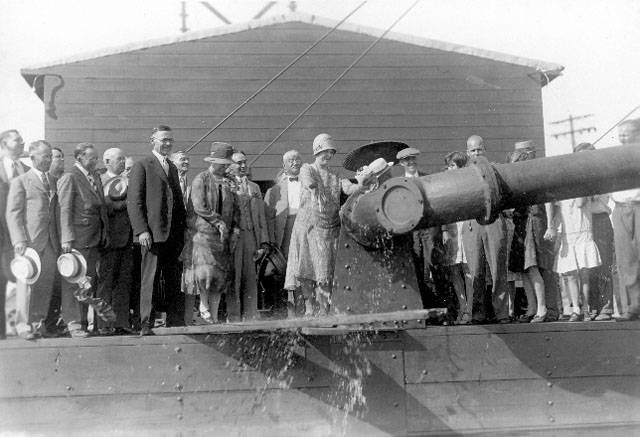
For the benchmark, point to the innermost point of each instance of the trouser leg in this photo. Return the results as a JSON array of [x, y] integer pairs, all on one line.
[[148, 273], [496, 253]]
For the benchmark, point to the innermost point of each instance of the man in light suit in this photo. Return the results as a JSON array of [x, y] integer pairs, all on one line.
[[116, 267], [486, 244], [282, 202], [32, 217], [83, 226], [157, 213], [11, 148], [281, 207], [253, 232]]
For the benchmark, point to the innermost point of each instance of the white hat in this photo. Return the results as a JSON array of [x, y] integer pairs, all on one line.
[[116, 188], [27, 267], [323, 142], [72, 266], [377, 167]]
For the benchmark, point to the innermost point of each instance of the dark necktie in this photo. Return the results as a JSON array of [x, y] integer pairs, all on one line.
[[45, 182], [92, 181], [15, 172]]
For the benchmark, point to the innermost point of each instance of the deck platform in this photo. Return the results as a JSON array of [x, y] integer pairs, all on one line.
[[551, 378]]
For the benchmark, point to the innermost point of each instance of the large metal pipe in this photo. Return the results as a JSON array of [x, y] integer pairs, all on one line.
[[483, 189]]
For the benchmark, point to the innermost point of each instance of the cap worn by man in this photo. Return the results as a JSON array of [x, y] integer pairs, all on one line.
[[524, 145]]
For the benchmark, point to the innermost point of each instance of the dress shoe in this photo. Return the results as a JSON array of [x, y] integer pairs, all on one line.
[[78, 333], [505, 321], [587, 317], [627, 317], [602, 317], [145, 331], [123, 331], [526, 318], [539, 319], [575, 317], [106, 332]]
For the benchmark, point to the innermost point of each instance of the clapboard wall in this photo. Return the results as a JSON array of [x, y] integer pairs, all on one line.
[[431, 99]]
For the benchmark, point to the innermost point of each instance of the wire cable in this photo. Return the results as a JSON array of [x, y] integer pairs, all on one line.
[[332, 84], [280, 73], [615, 125]]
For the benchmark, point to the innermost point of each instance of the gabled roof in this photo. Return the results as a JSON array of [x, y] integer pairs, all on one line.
[[545, 71]]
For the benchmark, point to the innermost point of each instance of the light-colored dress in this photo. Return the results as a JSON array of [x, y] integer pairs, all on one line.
[[577, 249], [315, 232], [453, 249]]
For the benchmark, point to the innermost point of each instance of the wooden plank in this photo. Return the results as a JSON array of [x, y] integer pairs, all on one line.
[[268, 121], [486, 406], [291, 83], [220, 363], [296, 96], [319, 322], [269, 413], [212, 58], [300, 135], [427, 107], [167, 71], [475, 356]]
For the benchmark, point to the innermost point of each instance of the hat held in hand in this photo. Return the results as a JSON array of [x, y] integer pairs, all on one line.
[[27, 267], [72, 266]]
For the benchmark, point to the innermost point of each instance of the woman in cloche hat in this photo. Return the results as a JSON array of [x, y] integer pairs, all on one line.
[[315, 232]]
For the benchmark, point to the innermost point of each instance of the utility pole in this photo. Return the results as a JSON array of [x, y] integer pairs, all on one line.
[[572, 129], [183, 16]]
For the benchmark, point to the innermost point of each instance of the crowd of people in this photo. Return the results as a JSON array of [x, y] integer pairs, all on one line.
[[107, 249]]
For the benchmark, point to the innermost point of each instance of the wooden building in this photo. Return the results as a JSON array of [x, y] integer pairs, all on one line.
[[429, 94]]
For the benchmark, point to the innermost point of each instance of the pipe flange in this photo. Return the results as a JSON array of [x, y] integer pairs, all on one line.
[[401, 205], [491, 189]]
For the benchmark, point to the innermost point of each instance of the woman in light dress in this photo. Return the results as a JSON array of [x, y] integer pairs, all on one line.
[[314, 238], [577, 251]]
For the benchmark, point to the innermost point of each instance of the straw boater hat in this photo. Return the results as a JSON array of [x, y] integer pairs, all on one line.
[[72, 266], [27, 267], [406, 153], [116, 188], [220, 153], [377, 168], [321, 143]]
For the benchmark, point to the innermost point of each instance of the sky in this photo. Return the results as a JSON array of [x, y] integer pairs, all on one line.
[[597, 41]]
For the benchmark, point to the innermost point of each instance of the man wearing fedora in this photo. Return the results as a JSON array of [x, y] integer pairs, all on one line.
[[157, 214], [83, 227], [116, 266], [11, 148], [32, 217], [253, 232]]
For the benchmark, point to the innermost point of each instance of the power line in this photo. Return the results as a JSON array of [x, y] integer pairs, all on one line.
[[332, 84], [280, 73], [572, 129]]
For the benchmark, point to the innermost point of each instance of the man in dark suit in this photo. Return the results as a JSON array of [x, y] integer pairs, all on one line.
[[32, 217], [11, 148], [83, 225], [116, 267], [157, 213]]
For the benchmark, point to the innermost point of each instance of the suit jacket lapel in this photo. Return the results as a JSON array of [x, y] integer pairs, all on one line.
[[158, 168], [85, 182]]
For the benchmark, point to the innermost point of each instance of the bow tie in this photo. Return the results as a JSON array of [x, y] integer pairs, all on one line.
[[293, 178]]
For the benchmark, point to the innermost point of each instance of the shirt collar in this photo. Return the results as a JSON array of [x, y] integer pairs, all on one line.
[[110, 175], [39, 173], [162, 159]]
